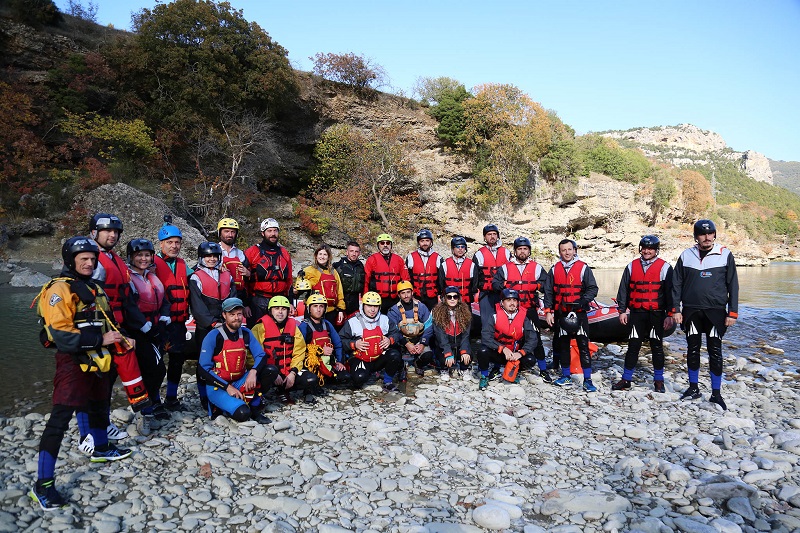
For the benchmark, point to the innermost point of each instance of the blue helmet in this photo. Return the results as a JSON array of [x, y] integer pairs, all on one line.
[[168, 230]]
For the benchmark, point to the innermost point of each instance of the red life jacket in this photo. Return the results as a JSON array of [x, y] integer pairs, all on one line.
[[458, 277], [176, 287], [491, 264], [386, 276], [525, 282], [116, 284], [321, 339], [151, 294], [328, 287], [232, 265], [567, 285], [270, 271], [279, 345], [425, 274], [229, 363], [211, 288], [644, 286], [507, 332], [373, 339]]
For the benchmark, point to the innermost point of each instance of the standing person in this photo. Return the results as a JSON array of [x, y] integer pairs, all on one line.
[[147, 292], [507, 336], [230, 386], [323, 355], [174, 275], [383, 271], [705, 293], [413, 319], [459, 271], [76, 316], [352, 275], [488, 259], [233, 258], [371, 340], [452, 319], [645, 302], [270, 270], [325, 280], [423, 269], [527, 277], [568, 290]]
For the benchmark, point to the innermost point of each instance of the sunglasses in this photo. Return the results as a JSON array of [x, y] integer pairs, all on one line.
[[452, 297], [381, 243]]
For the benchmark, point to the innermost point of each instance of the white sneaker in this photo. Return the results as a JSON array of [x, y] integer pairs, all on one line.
[[143, 424], [456, 373], [466, 375], [87, 445], [444, 375], [114, 433]]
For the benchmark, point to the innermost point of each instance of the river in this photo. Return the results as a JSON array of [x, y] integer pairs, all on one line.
[[769, 312]]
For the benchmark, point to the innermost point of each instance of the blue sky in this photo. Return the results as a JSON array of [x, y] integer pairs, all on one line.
[[728, 66]]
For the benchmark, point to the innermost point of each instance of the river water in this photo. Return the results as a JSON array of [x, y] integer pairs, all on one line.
[[769, 311]]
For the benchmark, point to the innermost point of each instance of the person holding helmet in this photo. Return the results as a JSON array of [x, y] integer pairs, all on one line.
[[568, 290], [527, 277], [488, 259], [383, 271], [413, 319], [270, 270], [423, 269], [645, 302], [371, 340], [459, 271], [78, 323], [325, 280], [351, 273], [705, 296], [324, 357], [452, 321], [233, 258], [231, 388], [508, 337], [285, 349]]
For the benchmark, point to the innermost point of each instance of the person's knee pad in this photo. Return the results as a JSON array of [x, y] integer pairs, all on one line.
[[527, 362], [242, 413], [343, 376], [360, 376], [307, 379]]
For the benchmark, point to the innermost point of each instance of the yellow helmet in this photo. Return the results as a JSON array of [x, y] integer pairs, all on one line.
[[302, 284], [371, 298], [228, 223], [279, 301], [383, 237], [404, 286], [316, 298]]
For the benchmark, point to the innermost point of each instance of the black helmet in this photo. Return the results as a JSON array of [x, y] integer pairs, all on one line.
[[209, 248], [570, 323], [510, 293], [458, 241], [138, 245], [704, 227], [649, 241], [522, 241], [490, 227], [105, 221], [76, 245], [424, 234]]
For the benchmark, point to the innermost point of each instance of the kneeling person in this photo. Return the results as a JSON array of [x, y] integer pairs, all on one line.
[[323, 355], [413, 320], [452, 318]]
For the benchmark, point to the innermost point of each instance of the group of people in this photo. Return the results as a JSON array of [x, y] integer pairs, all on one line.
[[259, 327]]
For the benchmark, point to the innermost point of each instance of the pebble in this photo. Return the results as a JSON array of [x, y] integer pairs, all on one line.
[[491, 517]]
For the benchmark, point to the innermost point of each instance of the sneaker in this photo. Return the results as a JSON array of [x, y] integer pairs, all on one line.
[[320, 391], [111, 454], [563, 381], [658, 386], [692, 393], [484, 383], [716, 398], [588, 386], [87, 445], [173, 404], [466, 374], [286, 399], [623, 384], [160, 412], [389, 387], [114, 433], [46, 495], [494, 373], [456, 373], [418, 370], [444, 375], [545, 375], [143, 424], [309, 399]]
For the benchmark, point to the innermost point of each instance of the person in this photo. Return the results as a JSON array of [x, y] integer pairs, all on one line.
[[324, 356], [285, 348], [352, 275], [459, 271], [325, 280], [77, 321], [507, 336], [644, 299], [270, 270], [371, 340], [298, 295], [174, 275], [233, 258], [147, 292], [527, 277], [452, 320], [230, 387], [423, 269], [705, 296], [488, 259], [383, 271], [568, 290], [414, 322]]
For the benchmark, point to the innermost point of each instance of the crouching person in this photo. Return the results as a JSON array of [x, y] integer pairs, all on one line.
[[323, 357], [371, 340], [230, 386], [413, 319], [452, 318]]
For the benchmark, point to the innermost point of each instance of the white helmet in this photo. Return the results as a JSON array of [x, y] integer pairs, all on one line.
[[268, 223]]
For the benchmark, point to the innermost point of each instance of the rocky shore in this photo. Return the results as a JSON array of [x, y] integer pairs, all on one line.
[[446, 458]]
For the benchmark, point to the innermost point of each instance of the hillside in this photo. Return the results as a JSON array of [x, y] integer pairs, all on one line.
[[786, 174]]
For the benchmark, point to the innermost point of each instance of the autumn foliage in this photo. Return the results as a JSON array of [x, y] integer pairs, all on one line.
[[351, 69]]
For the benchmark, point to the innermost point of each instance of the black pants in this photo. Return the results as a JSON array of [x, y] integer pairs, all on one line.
[[533, 316], [180, 351], [646, 325], [486, 357], [390, 362], [710, 322], [58, 423], [561, 345], [152, 366]]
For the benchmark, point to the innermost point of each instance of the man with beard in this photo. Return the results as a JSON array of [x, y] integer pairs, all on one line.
[[383, 271], [459, 271], [488, 259], [423, 269], [351, 272], [413, 319], [233, 258], [270, 270]]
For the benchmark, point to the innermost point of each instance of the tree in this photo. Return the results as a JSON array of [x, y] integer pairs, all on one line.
[[36, 13], [449, 111], [431, 90], [664, 191], [605, 156], [88, 13], [357, 71], [696, 194], [114, 138], [22, 153]]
